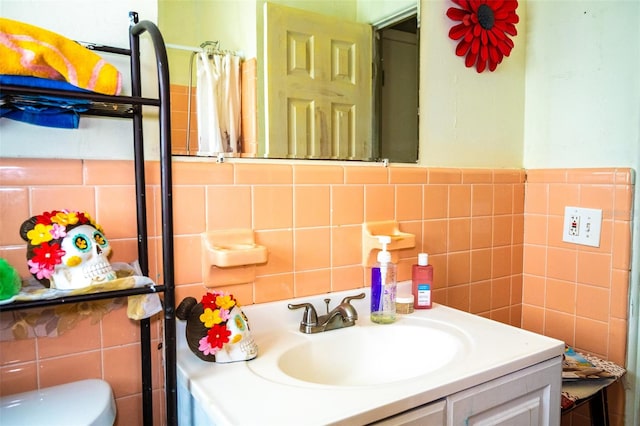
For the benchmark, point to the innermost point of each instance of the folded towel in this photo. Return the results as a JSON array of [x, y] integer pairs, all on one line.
[[583, 375], [576, 365], [49, 111], [43, 116], [42, 83], [29, 50]]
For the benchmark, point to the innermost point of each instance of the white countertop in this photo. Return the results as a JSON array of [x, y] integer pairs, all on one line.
[[232, 394]]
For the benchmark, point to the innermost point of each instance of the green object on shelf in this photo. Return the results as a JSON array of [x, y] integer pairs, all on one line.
[[10, 282]]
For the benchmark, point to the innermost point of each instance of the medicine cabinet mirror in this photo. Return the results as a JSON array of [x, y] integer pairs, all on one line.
[[334, 91]]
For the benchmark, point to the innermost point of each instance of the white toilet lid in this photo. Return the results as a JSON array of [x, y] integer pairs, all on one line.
[[86, 402]]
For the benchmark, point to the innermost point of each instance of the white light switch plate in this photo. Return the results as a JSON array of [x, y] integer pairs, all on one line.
[[582, 226]]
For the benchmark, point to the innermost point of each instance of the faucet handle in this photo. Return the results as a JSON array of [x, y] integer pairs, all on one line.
[[326, 302], [348, 299], [350, 312], [310, 317]]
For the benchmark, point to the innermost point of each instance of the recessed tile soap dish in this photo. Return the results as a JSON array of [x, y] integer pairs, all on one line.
[[371, 244], [229, 256]]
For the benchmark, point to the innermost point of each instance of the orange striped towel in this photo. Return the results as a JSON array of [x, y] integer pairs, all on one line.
[[32, 51]]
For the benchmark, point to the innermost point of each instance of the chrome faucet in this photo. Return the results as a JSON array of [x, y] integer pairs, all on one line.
[[343, 315]]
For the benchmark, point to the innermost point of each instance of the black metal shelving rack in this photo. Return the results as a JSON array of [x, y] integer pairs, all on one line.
[[130, 107]]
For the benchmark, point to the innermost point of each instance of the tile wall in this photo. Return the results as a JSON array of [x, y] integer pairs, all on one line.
[[184, 120], [309, 216], [576, 293], [100, 346]]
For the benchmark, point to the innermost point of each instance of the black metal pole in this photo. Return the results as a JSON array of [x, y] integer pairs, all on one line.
[[166, 188], [141, 208]]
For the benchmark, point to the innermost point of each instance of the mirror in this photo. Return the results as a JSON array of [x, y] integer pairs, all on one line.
[[299, 125]]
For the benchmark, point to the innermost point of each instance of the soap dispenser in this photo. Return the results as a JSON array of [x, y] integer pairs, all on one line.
[[383, 286]]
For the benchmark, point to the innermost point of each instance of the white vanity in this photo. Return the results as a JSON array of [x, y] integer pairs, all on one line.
[[432, 367]]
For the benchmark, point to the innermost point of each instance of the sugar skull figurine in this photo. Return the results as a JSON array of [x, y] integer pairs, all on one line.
[[217, 329], [67, 250]]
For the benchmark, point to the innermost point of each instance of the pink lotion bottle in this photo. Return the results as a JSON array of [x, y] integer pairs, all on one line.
[[422, 282]]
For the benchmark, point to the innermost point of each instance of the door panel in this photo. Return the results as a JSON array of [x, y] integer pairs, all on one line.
[[317, 86]]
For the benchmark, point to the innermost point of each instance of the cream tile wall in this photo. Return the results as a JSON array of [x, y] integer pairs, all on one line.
[[309, 216], [576, 293]]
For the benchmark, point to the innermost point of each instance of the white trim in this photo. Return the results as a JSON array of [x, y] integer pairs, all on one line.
[[397, 17], [632, 383], [181, 47]]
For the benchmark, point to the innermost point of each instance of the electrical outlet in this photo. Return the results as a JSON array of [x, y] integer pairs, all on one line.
[[574, 225], [582, 226]]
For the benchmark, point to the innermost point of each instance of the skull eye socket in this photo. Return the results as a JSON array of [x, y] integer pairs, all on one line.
[[240, 323], [82, 243], [99, 238]]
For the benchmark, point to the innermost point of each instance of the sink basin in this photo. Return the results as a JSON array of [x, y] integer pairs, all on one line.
[[360, 355], [360, 374]]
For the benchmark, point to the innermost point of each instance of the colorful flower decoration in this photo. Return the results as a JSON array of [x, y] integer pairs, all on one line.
[[44, 233], [483, 31], [217, 309]]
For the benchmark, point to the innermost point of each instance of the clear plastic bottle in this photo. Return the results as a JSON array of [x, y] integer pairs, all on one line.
[[422, 282], [383, 286]]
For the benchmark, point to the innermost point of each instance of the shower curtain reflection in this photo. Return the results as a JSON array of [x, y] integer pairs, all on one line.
[[218, 103]]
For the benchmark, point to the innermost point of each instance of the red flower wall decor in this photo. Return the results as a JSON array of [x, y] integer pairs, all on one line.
[[483, 30]]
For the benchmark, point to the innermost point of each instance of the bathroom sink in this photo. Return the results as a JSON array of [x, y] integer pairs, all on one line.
[[359, 374], [362, 355]]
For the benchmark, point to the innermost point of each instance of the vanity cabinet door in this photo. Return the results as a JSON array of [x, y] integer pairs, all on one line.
[[527, 397], [431, 414]]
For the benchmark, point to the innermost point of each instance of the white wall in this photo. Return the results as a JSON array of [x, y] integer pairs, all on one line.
[[373, 11], [99, 21], [468, 119], [189, 23], [582, 94]]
